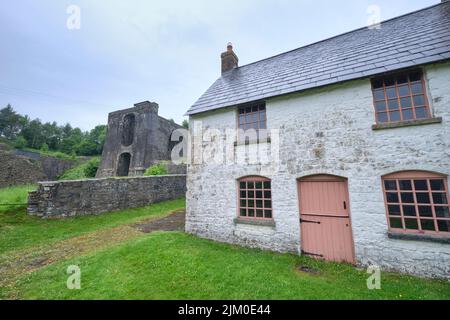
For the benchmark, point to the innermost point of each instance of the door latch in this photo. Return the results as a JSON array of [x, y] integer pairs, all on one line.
[[312, 254], [308, 221]]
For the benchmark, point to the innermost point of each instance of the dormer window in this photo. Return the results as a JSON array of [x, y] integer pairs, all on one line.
[[401, 97]]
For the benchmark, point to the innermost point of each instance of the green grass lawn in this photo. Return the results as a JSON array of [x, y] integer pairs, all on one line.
[[19, 231], [16, 195], [178, 266], [167, 265]]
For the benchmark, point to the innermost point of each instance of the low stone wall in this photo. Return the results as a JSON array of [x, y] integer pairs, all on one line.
[[87, 197]]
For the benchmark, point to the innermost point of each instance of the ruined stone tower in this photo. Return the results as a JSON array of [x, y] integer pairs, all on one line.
[[137, 138]]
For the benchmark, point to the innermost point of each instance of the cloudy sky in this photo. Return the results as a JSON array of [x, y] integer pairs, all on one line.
[[127, 51]]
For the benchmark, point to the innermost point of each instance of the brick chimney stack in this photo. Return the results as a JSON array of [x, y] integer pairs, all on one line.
[[229, 59]]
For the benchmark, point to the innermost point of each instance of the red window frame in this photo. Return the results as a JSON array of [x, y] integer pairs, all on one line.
[[255, 198], [252, 117], [400, 97], [415, 207]]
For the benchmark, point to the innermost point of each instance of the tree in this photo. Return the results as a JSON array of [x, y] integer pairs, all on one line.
[[11, 123], [185, 124]]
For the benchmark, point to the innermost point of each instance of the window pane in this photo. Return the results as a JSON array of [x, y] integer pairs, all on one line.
[[393, 104], [421, 184], [396, 223], [268, 214], [242, 185], [263, 125], [379, 94], [243, 194], [251, 203], [440, 198], [421, 113], [411, 224], [444, 225], [260, 213], [242, 111], [262, 116], [402, 79], [423, 198], [251, 194], [416, 88], [416, 76], [255, 109], [442, 212], [266, 184], [251, 212], [259, 203], [395, 116], [428, 225], [425, 211], [407, 197], [389, 82], [248, 109], [267, 204], [267, 194], [409, 211], [259, 194], [243, 212], [391, 92], [382, 117], [406, 102], [244, 203], [405, 185], [262, 107], [403, 90], [394, 210], [392, 197], [258, 185], [419, 101], [380, 106], [437, 185], [408, 114], [251, 185], [390, 185]]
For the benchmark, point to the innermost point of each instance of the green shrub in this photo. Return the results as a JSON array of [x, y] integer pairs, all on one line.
[[20, 142], [91, 168], [156, 170], [85, 170], [44, 147]]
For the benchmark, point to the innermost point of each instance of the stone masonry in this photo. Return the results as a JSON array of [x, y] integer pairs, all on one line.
[[137, 138], [329, 131], [87, 197]]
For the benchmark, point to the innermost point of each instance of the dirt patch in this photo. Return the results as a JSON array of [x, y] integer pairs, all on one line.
[[174, 222], [308, 270]]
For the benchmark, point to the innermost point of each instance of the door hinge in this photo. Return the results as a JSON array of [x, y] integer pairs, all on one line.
[[312, 254], [308, 221]]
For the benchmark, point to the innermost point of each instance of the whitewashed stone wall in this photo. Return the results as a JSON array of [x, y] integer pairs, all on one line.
[[329, 131]]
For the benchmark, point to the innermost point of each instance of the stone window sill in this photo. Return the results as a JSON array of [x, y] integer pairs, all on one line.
[[410, 123], [418, 237], [260, 223], [247, 142]]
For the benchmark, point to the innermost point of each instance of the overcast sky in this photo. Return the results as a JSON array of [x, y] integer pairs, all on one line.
[[128, 51]]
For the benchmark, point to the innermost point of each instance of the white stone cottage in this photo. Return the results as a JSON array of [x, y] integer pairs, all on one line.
[[362, 127]]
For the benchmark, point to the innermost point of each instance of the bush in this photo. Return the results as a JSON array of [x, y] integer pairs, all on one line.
[[91, 168], [85, 170], [156, 170], [44, 147], [20, 142]]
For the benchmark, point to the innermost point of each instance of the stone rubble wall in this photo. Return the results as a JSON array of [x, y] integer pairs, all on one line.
[[95, 196]]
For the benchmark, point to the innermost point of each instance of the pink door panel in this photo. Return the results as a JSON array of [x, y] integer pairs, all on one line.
[[325, 219]]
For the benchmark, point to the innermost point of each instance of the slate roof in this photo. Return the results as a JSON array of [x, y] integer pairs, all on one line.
[[413, 39]]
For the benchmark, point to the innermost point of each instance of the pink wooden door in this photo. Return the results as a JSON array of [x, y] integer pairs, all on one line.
[[325, 218]]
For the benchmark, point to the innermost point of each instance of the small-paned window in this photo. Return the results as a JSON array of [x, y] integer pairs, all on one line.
[[255, 198], [417, 202], [400, 98], [252, 117]]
